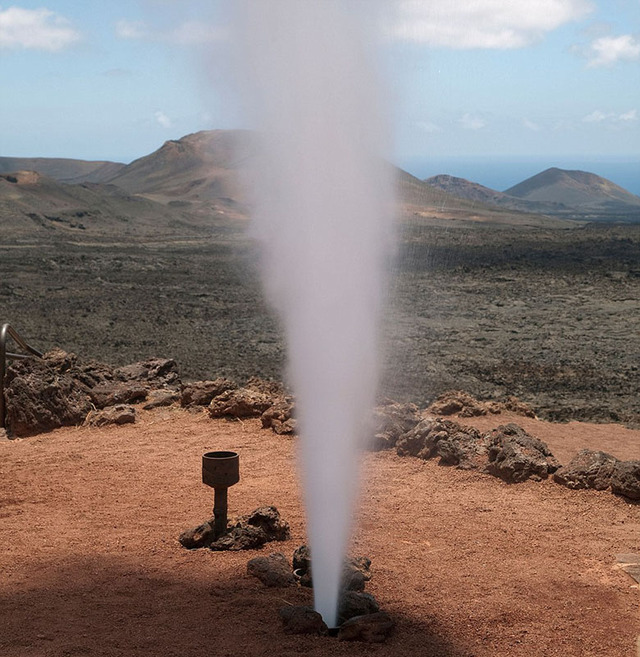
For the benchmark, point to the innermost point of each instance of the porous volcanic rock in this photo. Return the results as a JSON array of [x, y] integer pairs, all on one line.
[[154, 372], [518, 407], [302, 620], [370, 628], [416, 442], [244, 537], [302, 559], [117, 392], [356, 571], [241, 403], [626, 479], [464, 447], [198, 537], [42, 394], [356, 603], [516, 456], [160, 398], [60, 390], [201, 393], [587, 469], [268, 519], [391, 421], [89, 373], [458, 402], [118, 414], [455, 444], [279, 417], [267, 387], [245, 533], [273, 571]]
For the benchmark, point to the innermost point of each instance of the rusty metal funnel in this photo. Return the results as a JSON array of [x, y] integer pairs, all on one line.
[[220, 470]]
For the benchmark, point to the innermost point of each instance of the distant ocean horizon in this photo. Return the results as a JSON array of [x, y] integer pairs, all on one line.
[[501, 173]]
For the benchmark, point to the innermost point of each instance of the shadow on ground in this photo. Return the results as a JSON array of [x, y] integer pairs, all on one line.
[[106, 607]]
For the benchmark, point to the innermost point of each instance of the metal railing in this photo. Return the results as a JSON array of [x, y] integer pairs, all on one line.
[[7, 331]]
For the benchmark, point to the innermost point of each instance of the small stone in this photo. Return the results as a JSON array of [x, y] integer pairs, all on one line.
[[353, 580], [279, 417], [198, 537], [201, 393], [117, 392], [391, 421], [302, 620], [160, 398], [240, 403], [268, 519], [370, 628], [625, 480], [272, 571], [516, 456], [458, 402], [154, 372], [415, 442], [356, 573], [587, 469], [302, 559], [518, 407], [119, 414], [245, 537], [354, 603], [455, 444]]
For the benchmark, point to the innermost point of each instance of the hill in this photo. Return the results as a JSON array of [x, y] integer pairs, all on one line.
[[33, 205], [63, 169], [446, 202], [462, 188], [577, 190], [204, 170], [200, 169], [202, 173]]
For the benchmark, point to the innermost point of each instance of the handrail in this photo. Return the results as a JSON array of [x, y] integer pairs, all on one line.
[[7, 331]]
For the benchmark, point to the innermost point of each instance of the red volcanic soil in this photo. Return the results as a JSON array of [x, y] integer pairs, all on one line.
[[466, 564]]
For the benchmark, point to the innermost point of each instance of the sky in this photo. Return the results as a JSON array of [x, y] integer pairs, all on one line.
[[482, 82]]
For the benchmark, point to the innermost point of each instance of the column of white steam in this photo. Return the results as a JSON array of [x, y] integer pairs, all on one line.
[[323, 215]]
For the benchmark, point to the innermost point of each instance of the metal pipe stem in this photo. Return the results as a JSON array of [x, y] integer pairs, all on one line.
[[220, 512]]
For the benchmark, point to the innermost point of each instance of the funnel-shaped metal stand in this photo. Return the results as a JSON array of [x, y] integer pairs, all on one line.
[[220, 470]]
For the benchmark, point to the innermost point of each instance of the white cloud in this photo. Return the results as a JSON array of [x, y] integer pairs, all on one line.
[[163, 119], [471, 122], [611, 118], [530, 125], [497, 24], [35, 29], [607, 50], [631, 115], [597, 116], [188, 33]]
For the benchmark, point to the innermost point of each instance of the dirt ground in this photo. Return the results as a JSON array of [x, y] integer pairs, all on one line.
[[466, 564]]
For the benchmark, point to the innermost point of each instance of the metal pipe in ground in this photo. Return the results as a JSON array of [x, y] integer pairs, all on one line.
[[220, 470]]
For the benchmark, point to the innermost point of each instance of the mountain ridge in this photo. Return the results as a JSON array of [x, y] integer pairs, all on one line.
[[201, 175]]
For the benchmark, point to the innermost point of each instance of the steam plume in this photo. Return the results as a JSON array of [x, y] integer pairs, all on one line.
[[323, 215]]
